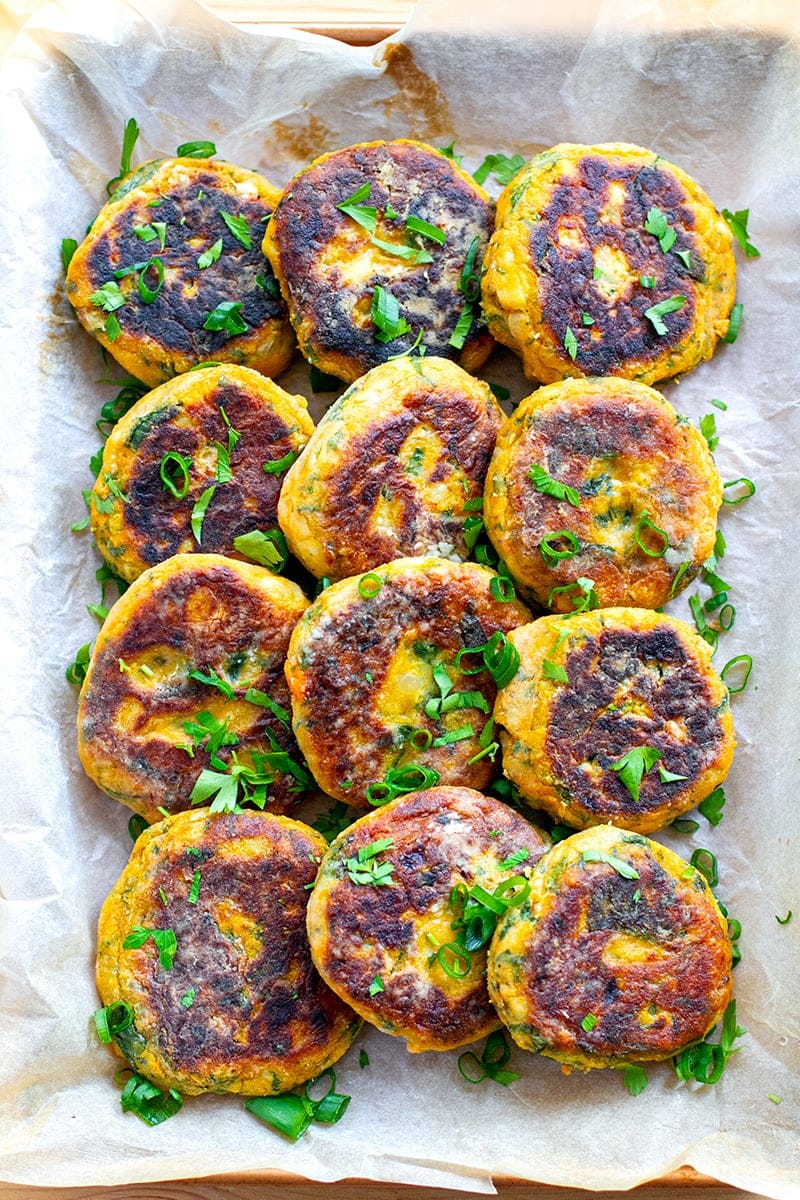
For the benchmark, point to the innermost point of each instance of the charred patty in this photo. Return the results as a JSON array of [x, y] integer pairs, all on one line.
[[186, 678], [226, 428], [171, 272], [602, 479], [396, 468], [378, 247], [619, 955], [204, 938], [376, 686], [614, 715], [608, 260], [386, 919]]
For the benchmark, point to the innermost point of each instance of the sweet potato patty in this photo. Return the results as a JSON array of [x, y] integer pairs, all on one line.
[[387, 927], [619, 955], [602, 479], [213, 428], [615, 715], [163, 280], [235, 1004], [390, 469], [396, 216], [374, 682], [186, 676], [608, 260]]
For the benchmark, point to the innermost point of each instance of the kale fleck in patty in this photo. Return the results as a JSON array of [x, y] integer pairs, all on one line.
[[619, 955], [387, 674], [602, 479], [608, 260], [614, 715], [226, 428], [386, 917], [185, 689], [171, 272], [396, 467], [378, 247], [217, 970]]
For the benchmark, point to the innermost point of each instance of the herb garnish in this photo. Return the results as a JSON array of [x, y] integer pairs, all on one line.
[[386, 317], [239, 228], [266, 547], [620, 866], [657, 224], [227, 317], [199, 512], [291, 1115], [174, 473], [548, 486], [129, 140], [278, 465], [210, 255], [491, 1064], [503, 168], [706, 1061], [571, 343], [397, 781], [196, 150], [737, 222], [634, 765], [165, 941], [657, 311], [142, 1097], [365, 868]]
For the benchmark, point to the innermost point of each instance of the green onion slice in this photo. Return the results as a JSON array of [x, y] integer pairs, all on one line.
[[112, 1019], [645, 525], [369, 585], [454, 960], [749, 489], [279, 465], [735, 323], [196, 150], [741, 673], [199, 512], [174, 473], [552, 548]]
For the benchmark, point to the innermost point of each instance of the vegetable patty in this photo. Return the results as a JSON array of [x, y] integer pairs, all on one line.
[[226, 428], [376, 686], [386, 917], [171, 272], [619, 955], [396, 467], [608, 260], [614, 715], [185, 696], [602, 479], [379, 247], [217, 970]]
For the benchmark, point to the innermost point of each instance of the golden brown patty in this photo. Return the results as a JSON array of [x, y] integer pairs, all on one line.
[[395, 950], [641, 516], [237, 1006], [374, 652], [615, 715], [146, 729], [391, 468], [608, 260], [169, 214], [611, 962], [329, 264], [216, 427]]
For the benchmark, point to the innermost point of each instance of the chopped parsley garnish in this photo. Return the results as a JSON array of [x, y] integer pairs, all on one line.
[[376, 987], [414, 254], [266, 547], [657, 224], [76, 671], [365, 867], [199, 512], [279, 465], [322, 382], [554, 671], [227, 317], [68, 248], [262, 700], [223, 473], [425, 229], [647, 281], [635, 1079], [365, 215], [386, 317], [211, 678], [129, 140], [711, 808], [165, 942], [735, 323], [462, 327], [188, 998], [450, 152], [209, 734], [548, 486], [239, 228], [708, 428], [657, 311], [634, 765], [571, 343], [503, 168], [620, 866], [210, 255], [514, 860], [108, 297], [333, 821]]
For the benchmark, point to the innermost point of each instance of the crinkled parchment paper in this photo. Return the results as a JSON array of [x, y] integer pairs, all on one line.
[[718, 94]]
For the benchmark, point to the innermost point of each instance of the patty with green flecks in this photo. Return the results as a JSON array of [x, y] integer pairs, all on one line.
[[350, 223], [217, 428], [171, 272], [236, 1005], [185, 689], [619, 955]]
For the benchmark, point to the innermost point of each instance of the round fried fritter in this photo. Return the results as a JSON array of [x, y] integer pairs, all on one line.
[[390, 469], [224, 423], [608, 260], [240, 1007], [147, 729], [166, 218], [372, 652], [381, 946], [641, 516], [345, 226], [614, 715], [619, 955]]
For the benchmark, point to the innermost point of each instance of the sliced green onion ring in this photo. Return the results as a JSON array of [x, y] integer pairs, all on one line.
[[454, 960], [646, 525], [112, 1019], [548, 546], [147, 293], [369, 585], [743, 674], [747, 484], [174, 473]]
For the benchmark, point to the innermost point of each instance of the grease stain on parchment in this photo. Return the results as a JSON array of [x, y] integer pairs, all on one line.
[[302, 140], [418, 104]]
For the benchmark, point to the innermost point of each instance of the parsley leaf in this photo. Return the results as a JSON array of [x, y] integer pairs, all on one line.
[[548, 486], [634, 765]]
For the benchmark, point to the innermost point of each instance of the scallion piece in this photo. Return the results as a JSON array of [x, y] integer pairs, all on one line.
[[454, 960], [741, 673], [620, 866], [553, 550], [112, 1019], [426, 230], [369, 585], [143, 1098], [502, 589], [196, 150], [278, 465], [147, 293], [290, 1115], [749, 489], [463, 325], [645, 525], [657, 311], [226, 317], [199, 512], [735, 323], [706, 863], [129, 139], [174, 473], [552, 487]]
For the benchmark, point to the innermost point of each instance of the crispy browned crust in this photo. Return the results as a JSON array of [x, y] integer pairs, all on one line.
[[187, 416], [390, 469], [571, 249], [194, 611], [167, 337], [632, 459], [313, 247], [634, 678], [361, 669], [242, 1008], [648, 957], [441, 838]]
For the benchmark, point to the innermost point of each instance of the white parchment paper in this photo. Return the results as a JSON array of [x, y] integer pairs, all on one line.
[[717, 94]]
